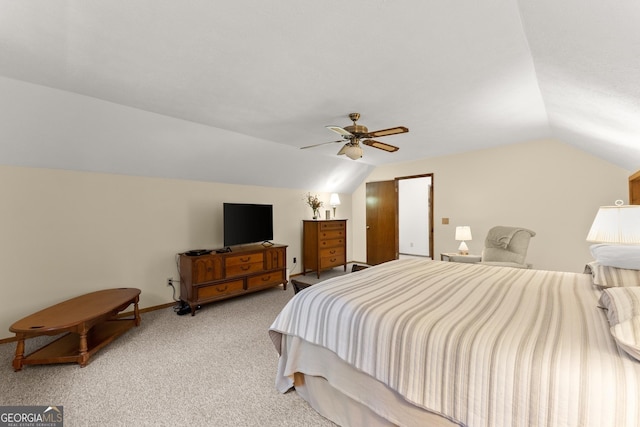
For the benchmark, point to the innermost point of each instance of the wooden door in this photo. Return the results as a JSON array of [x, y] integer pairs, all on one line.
[[382, 221], [634, 189]]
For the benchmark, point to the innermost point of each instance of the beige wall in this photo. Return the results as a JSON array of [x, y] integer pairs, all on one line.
[[66, 233], [547, 186]]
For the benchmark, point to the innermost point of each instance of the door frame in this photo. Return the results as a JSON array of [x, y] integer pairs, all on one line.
[[395, 218], [430, 219]]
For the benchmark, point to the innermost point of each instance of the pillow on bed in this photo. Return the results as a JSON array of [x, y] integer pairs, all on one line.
[[621, 304], [627, 335], [620, 256], [605, 276]]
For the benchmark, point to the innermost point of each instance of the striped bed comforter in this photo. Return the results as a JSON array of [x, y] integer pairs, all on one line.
[[483, 345]]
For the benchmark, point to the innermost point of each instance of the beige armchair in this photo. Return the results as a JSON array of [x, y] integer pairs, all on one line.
[[507, 247]]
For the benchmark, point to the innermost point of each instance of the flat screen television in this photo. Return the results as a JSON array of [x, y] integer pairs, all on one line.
[[247, 223]]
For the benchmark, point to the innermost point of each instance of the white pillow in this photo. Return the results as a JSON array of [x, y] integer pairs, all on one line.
[[627, 335], [621, 304], [620, 256], [604, 276]]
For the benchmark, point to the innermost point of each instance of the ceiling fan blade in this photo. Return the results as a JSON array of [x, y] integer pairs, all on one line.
[[343, 149], [339, 130], [385, 132], [322, 143], [381, 145]]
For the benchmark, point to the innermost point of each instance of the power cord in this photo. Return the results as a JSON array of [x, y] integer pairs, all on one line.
[[180, 307], [170, 283]]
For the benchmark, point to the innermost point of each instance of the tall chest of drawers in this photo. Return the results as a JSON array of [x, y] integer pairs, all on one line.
[[324, 245]]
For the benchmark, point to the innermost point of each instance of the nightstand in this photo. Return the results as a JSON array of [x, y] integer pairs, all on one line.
[[456, 257]]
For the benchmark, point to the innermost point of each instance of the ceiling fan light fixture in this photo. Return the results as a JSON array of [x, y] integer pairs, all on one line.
[[354, 152]]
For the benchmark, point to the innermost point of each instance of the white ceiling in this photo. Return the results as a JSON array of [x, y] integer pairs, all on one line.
[[256, 80]]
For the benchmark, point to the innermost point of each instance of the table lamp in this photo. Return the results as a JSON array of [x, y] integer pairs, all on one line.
[[334, 201], [463, 233], [619, 224]]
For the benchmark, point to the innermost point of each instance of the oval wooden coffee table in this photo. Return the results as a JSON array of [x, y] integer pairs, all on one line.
[[90, 321]]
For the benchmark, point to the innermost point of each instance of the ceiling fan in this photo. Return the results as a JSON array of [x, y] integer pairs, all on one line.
[[355, 133]]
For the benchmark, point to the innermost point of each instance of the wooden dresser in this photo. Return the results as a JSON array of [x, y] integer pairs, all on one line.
[[324, 245], [216, 276]]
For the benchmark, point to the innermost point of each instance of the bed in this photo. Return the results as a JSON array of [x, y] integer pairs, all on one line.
[[431, 343]]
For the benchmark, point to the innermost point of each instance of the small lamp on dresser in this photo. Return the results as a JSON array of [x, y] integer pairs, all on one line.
[[334, 201]]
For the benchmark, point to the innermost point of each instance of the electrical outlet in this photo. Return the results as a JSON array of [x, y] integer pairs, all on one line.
[[169, 281], [295, 259]]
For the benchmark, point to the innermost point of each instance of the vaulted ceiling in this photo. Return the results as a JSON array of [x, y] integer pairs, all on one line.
[[229, 90]]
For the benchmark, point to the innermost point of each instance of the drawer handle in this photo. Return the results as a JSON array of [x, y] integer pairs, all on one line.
[[266, 279], [247, 259], [245, 267], [333, 259], [332, 252], [223, 289]]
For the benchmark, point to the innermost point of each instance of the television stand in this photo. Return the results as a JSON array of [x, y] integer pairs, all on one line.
[[238, 271]]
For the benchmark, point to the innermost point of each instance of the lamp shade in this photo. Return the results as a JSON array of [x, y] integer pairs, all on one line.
[[334, 200], [353, 152], [463, 232], [616, 224]]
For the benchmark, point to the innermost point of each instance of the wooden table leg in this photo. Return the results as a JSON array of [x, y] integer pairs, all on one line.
[[17, 360], [136, 312], [83, 357]]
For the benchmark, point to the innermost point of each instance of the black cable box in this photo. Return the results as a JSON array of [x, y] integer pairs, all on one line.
[[196, 252]]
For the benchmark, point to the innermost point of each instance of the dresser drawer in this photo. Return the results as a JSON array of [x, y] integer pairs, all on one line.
[[331, 234], [332, 225], [271, 278], [244, 269], [204, 292], [331, 252], [331, 243], [332, 261], [231, 261], [241, 265]]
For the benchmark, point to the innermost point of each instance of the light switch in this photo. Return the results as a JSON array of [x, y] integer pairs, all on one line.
[[445, 221]]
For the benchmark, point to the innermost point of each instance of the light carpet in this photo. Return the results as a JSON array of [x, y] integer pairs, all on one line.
[[216, 368]]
